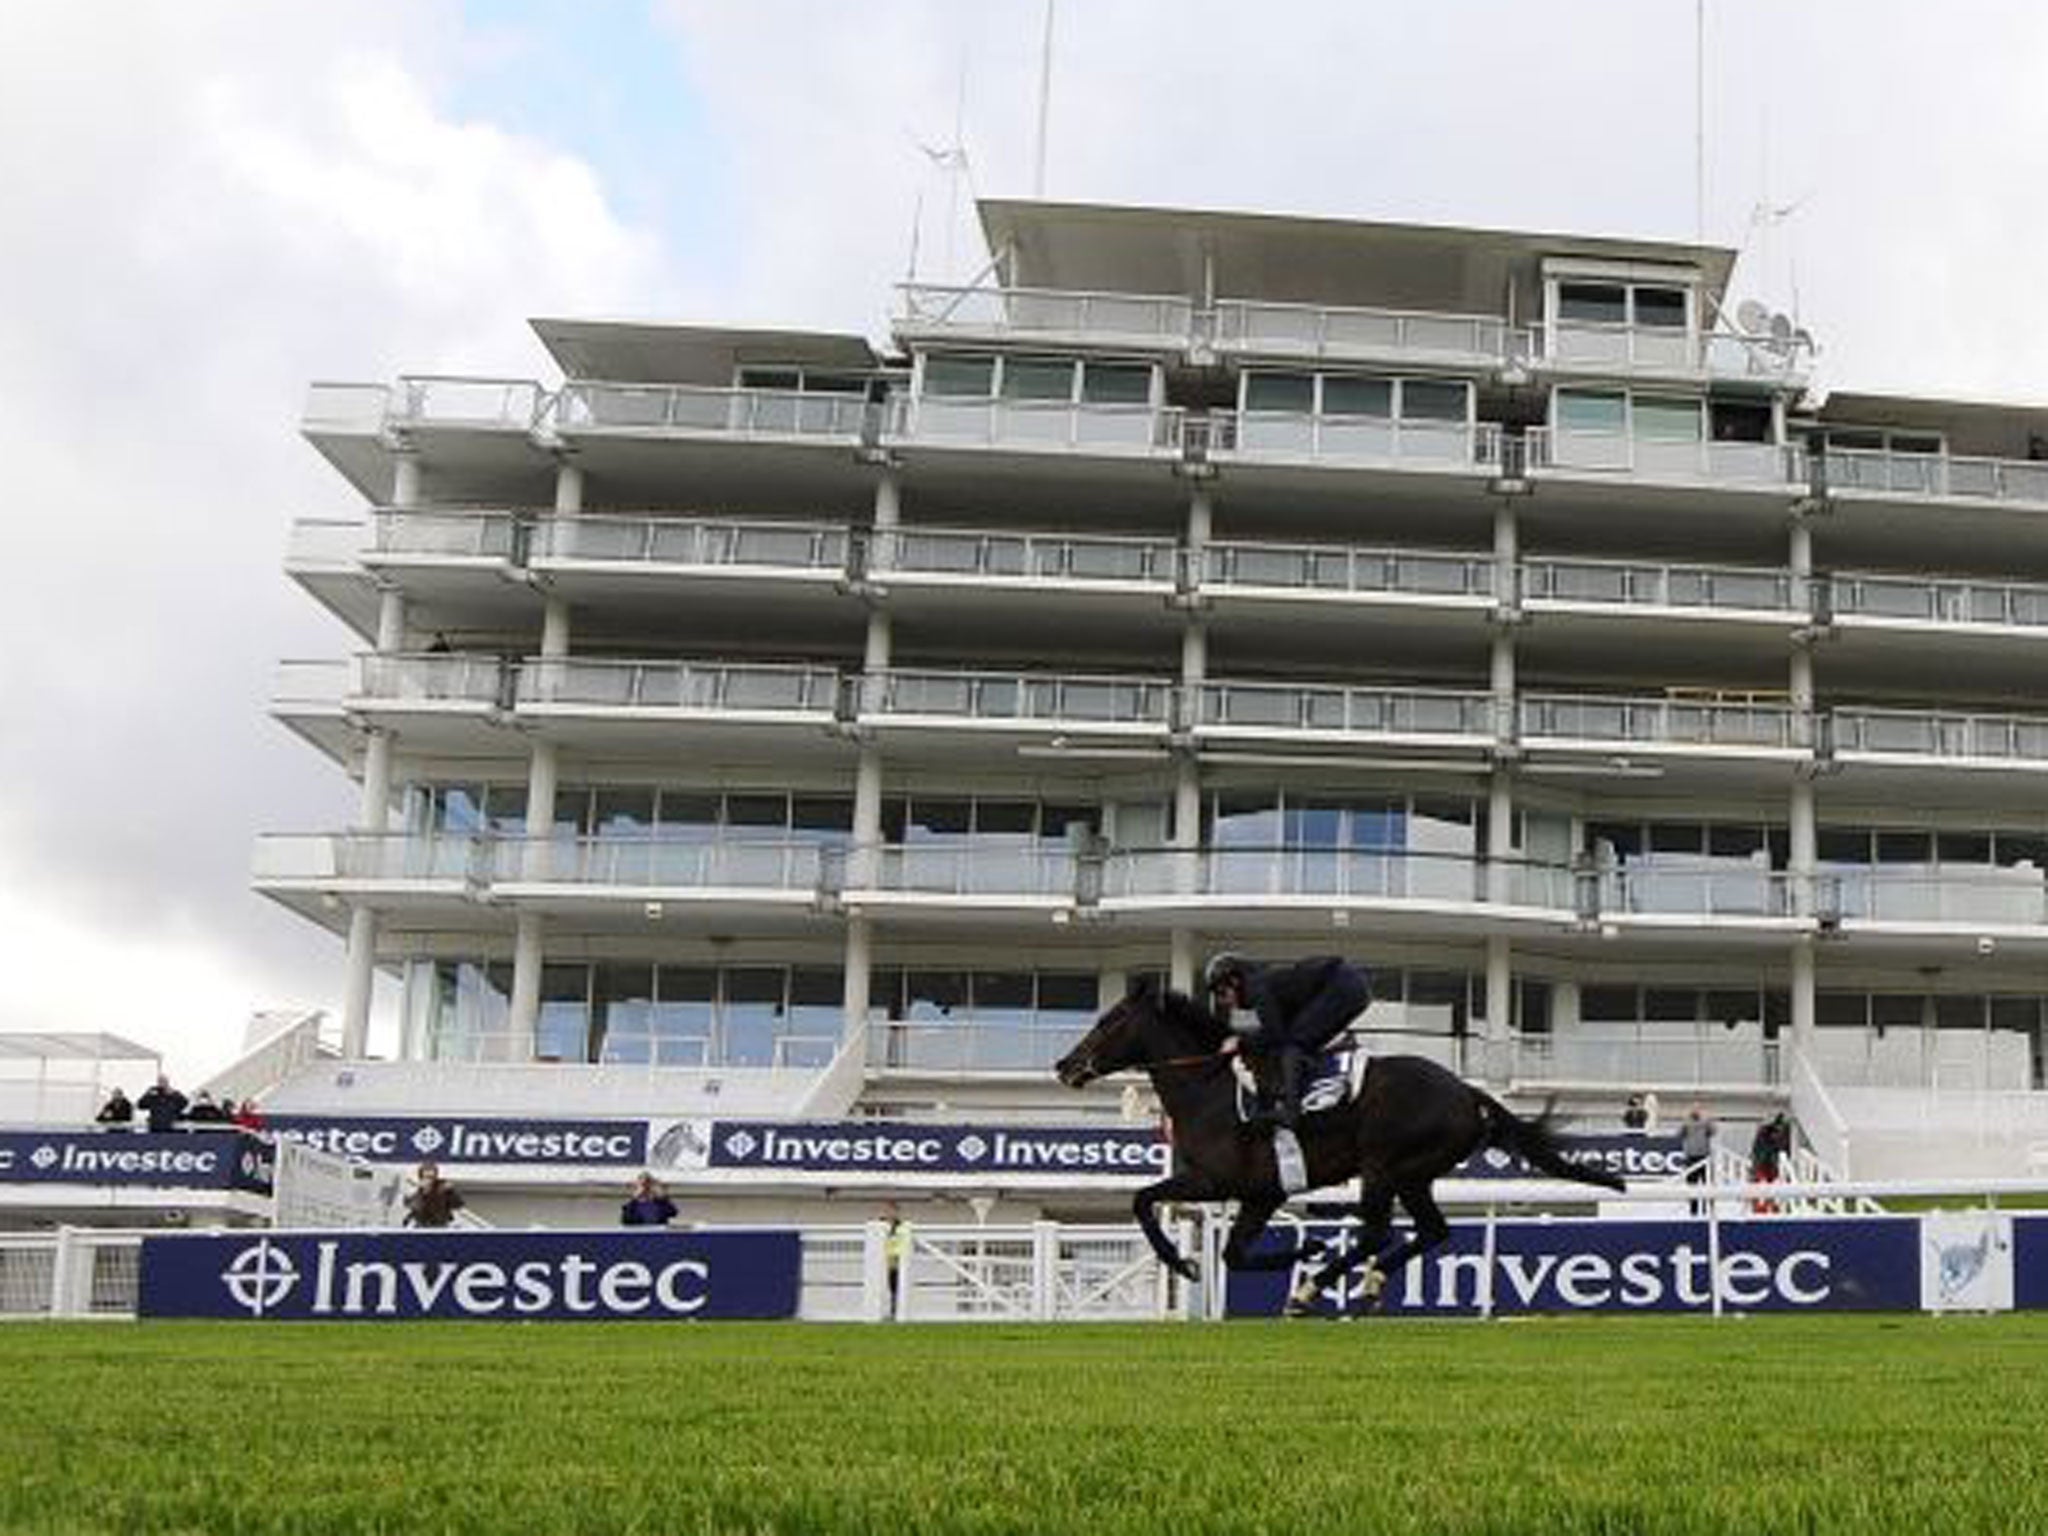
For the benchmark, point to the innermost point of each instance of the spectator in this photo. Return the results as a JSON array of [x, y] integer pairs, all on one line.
[[247, 1116], [1696, 1146], [1767, 1152], [440, 645], [895, 1248], [434, 1201], [164, 1106], [1651, 1109], [203, 1111], [1635, 1117], [117, 1114], [649, 1205]]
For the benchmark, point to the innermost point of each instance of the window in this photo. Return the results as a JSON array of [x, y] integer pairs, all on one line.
[[960, 377], [1347, 396], [1116, 383], [1433, 400], [1737, 421], [1294, 392], [562, 1032], [1593, 303], [1587, 410], [1663, 419], [1030, 378], [1660, 309]]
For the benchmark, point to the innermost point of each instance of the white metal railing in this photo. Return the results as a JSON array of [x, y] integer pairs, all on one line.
[[716, 542], [1315, 708], [295, 1045], [1646, 1055], [286, 858], [662, 862], [1724, 355], [1684, 886], [1022, 698], [1630, 583], [968, 867], [1027, 313], [1328, 874], [1571, 449], [464, 535], [1676, 722], [687, 686], [1980, 897], [459, 401], [688, 409], [968, 1045], [1889, 472], [451, 677], [1936, 600], [1303, 436], [1342, 568], [353, 408], [1087, 427], [1325, 330], [972, 554], [1949, 734]]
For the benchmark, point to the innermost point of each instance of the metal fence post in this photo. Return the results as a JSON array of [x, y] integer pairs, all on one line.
[[63, 1261], [1045, 1261], [1714, 1245], [874, 1273], [1489, 1247]]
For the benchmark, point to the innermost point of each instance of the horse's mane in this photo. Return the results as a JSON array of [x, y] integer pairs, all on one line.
[[1192, 1015]]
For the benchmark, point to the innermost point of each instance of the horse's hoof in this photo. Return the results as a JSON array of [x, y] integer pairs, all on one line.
[[1187, 1269]]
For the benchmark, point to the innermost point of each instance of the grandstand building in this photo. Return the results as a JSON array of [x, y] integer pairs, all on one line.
[[764, 725]]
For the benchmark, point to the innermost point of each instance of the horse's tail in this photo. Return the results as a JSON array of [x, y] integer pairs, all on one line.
[[1539, 1145]]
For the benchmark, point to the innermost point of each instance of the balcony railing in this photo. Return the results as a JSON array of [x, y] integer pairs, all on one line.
[[1674, 886], [1621, 453], [1654, 349], [446, 400], [456, 535], [1044, 424], [684, 409], [658, 862], [967, 1045], [332, 858], [1301, 436], [1934, 474], [1310, 330], [1018, 698], [1319, 873], [965, 867], [2012, 896], [1044, 313], [693, 542], [1921, 599], [1621, 583], [351, 408], [686, 686], [430, 678], [1324, 568], [1646, 1055], [1333, 709], [1663, 722], [1940, 734], [939, 552]]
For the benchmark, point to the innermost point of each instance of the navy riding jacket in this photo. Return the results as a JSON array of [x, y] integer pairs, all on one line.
[[1306, 1003]]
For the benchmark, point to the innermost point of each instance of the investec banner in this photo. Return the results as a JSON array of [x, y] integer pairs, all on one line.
[[1772, 1265], [471, 1139], [522, 1276], [195, 1160], [1619, 1152], [870, 1146]]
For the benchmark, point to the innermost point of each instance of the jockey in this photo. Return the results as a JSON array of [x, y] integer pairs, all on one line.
[[1288, 1011]]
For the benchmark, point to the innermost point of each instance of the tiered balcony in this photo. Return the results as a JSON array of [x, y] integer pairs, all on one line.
[[969, 558], [591, 408], [1921, 738], [1860, 600], [1976, 900], [1663, 727], [1043, 317], [1855, 473], [1721, 357], [1577, 453], [1336, 333], [1322, 572], [1602, 586], [1278, 438], [1011, 705], [1043, 426], [1241, 713]]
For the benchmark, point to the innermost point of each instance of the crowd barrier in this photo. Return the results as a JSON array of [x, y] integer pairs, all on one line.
[[1650, 1250]]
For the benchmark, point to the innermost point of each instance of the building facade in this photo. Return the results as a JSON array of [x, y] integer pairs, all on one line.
[[841, 726]]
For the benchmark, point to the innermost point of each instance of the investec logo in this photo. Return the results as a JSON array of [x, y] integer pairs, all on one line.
[[263, 1279]]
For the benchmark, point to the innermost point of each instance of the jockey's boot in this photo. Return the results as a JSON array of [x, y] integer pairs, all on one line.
[[1284, 1108]]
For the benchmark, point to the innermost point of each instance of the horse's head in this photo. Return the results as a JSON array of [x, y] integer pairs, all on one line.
[[1147, 1025]]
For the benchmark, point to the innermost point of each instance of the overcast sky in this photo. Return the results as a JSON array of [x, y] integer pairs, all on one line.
[[207, 203]]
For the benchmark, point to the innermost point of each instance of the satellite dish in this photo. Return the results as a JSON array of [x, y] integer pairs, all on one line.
[[1781, 329], [1752, 316]]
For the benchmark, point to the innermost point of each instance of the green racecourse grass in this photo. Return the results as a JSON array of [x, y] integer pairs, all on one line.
[[1623, 1425]]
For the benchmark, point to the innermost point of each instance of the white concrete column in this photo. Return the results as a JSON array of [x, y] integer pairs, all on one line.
[[855, 992], [554, 628], [526, 962], [1500, 983], [373, 812], [1507, 553], [1803, 1013], [390, 621], [405, 479], [1181, 962], [1500, 835], [358, 981], [1802, 850], [568, 486], [888, 500], [861, 867], [543, 772]]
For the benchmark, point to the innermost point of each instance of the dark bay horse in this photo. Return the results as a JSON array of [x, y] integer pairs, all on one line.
[[1411, 1123]]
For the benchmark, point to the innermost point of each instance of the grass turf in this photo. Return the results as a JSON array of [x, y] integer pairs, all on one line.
[[1639, 1424]]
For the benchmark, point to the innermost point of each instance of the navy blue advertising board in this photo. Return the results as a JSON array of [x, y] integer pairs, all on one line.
[[225, 1159], [1773, 1265], [872, 1146], [2030, 1262], [457, 1139], [1626, 1153], [465, 1275]]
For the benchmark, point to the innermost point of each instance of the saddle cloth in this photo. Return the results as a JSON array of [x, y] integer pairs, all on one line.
[[1331, 1081]]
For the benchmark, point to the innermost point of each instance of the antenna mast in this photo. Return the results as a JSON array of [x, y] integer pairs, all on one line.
[[1699, 122], [1044, 103]]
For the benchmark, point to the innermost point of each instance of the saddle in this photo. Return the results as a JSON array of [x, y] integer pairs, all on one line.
[[1330, 1082]]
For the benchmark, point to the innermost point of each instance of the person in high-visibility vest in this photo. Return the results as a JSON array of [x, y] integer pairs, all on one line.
[[895, 1248]]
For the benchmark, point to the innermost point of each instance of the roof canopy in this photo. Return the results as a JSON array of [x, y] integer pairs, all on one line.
[[38, 1045], [646, 352], [1990, 428], [1300, 260]]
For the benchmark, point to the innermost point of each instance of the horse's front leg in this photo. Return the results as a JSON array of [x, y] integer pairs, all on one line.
[[1252, 1217], [1375, 1214], [1146, 1202]]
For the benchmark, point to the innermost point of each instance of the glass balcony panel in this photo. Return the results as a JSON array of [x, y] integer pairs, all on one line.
[[1586, 583], [1002, 698], [1019, 421], [1739, 589], [1361, 330], [1659, 348], [2023, 480], [1269, 567], [1107, 562], [1264, 432], [1326, 709], [1116, 427], [1449, 334], [612, 405], [1590, 450], [1581, 343]]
